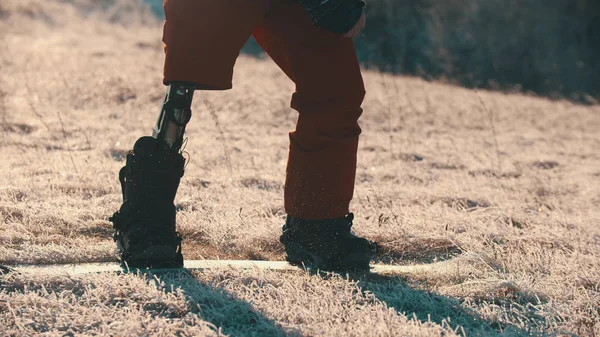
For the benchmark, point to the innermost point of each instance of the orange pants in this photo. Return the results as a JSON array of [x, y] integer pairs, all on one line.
[[202, 41]]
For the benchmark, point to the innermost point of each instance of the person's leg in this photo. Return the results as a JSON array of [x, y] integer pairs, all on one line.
[[329, 92], [202, 41], [322, 159]]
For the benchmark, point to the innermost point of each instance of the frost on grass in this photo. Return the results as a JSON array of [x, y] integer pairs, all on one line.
[[100, 305], [230, 302]]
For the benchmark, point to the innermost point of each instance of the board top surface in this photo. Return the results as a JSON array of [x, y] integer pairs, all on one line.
[[86, 268]]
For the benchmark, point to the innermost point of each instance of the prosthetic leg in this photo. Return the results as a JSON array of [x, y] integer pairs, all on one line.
[[175, 114], [145, 230]]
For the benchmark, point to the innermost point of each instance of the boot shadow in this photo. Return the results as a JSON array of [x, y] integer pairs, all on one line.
[[236, 317], [427, 306], [423, 305], [232, 316]]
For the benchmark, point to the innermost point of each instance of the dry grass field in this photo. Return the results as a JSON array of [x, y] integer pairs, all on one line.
[[504, 186]]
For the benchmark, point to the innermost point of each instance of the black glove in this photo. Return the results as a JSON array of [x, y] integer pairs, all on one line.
[[338, 16]]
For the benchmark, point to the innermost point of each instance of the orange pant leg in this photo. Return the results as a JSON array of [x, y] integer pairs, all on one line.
[[203, 39], [329, 93]]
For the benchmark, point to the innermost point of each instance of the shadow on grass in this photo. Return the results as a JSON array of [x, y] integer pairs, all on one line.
[[427, 306], [237, 317], [426, 250], [232, 316]]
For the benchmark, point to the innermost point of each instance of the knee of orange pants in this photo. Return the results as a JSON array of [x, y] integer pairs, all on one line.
[[322, 161], [328, 119]]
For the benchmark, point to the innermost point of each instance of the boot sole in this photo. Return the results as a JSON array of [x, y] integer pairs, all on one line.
[[155, 257]]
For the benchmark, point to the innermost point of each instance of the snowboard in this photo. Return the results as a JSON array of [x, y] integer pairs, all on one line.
[[199, 265]]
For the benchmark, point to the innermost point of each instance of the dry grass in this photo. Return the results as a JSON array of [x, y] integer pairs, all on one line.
[[519, 206]]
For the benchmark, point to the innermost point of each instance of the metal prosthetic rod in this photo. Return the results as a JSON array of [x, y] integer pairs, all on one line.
[[175, 114]]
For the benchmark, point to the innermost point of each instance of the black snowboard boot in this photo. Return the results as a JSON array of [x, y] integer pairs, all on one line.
[[327, 245], [145, 225]]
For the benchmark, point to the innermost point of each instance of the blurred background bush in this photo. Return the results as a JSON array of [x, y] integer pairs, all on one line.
[[548, 47]]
